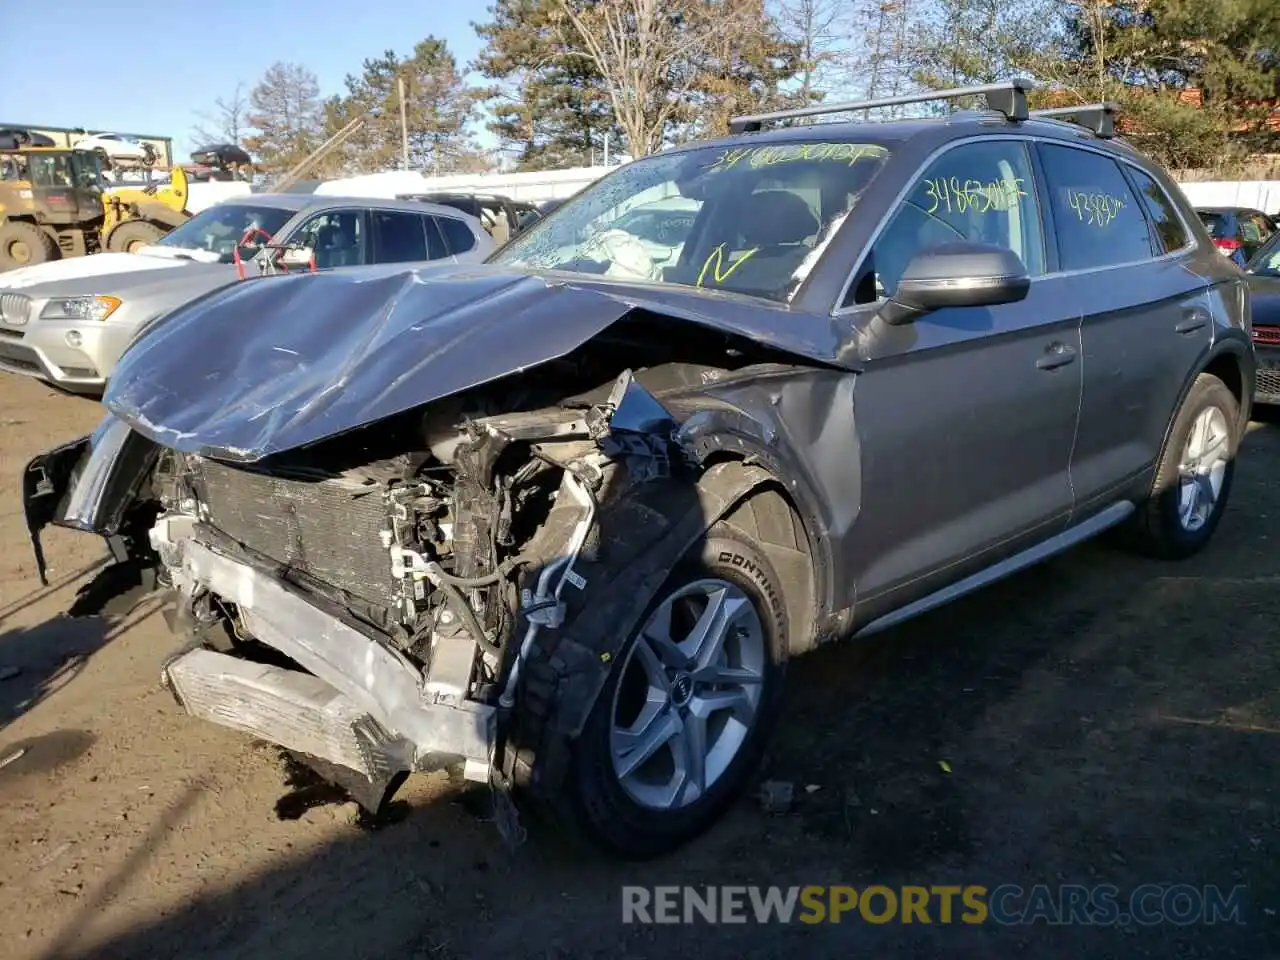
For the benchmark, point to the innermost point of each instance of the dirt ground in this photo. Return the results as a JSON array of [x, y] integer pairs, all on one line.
[[1104, 720]]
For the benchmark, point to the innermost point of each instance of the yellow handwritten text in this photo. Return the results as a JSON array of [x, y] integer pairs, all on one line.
[[961, 196], [1095, 208], [714, 262], [756, 157]]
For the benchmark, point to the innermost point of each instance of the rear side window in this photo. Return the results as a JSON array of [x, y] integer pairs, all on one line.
[[460, 238], [984, 192], [1099, 221], [1164, 216], [398, 237]]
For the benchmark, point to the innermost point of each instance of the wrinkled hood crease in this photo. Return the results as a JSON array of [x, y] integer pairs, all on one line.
[[259, 368]]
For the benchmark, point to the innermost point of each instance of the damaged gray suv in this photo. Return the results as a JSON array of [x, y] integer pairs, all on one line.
[[561, 519]]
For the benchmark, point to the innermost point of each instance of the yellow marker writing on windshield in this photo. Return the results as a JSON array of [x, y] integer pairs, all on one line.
[[718, 256]]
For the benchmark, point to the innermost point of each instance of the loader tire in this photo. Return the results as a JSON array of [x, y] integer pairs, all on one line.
[[23, 245], [128, 237]]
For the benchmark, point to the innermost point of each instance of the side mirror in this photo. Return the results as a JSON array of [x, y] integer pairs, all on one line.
[[962, 274], [296, 257]]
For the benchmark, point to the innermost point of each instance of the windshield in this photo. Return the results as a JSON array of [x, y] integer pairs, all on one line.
[[218, 229], [748, 220], [1266, 263]]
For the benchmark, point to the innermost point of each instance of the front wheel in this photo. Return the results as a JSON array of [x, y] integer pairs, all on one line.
[[682, 721], [1193, 480]]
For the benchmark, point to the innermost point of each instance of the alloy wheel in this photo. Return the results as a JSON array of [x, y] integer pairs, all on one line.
[[688, 695], [1203, 468]]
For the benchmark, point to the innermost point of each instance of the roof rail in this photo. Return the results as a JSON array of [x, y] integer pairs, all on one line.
[[1008, 97], [1098, 117]]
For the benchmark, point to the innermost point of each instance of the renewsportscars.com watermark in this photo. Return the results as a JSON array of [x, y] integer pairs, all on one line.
[[1008, 904]]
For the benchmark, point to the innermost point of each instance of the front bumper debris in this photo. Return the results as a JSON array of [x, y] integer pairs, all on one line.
[[363, 706]]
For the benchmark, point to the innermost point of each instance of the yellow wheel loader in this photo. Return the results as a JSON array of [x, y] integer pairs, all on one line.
[[54, 203]]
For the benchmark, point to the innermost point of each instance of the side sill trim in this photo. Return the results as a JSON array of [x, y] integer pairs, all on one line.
[[1065, 540]]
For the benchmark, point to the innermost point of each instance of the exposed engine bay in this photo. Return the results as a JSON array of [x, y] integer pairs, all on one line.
[[370, 601]]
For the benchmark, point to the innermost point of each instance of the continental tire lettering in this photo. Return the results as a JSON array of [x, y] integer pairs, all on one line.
[[748, 566]]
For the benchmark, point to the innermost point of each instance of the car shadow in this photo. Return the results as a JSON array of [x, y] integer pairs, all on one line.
[[1097, 719]]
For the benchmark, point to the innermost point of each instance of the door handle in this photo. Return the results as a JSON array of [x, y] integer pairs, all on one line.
[[1056, 355], [1192, 320]]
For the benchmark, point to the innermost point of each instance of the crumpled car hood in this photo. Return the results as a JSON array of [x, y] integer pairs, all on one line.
[[259, 368]]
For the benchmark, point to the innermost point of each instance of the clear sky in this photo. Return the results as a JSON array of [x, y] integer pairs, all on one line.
[[199, 53]]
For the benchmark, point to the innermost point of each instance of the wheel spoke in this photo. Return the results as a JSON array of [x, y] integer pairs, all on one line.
[[693, 740], [1190, 495], [725, 675], [713, 701], [706, 639], [651, 664], [1205, 494], [634, 745]]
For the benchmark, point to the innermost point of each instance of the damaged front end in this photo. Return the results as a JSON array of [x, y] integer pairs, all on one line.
[[371, 601]]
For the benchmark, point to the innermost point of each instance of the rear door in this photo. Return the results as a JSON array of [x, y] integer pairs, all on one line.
[[1123, 247], [398, 237]]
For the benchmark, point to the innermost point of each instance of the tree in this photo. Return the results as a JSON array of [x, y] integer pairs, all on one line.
[[438, 108], [968, 42], [1145, 56], [226, 122], [551, 103], [286, 112], [813, 26], [677, 68]]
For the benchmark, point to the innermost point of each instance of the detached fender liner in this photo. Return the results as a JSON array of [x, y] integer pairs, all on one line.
[[568, 668]]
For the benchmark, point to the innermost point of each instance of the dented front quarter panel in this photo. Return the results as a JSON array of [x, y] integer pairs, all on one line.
[[792, 427]]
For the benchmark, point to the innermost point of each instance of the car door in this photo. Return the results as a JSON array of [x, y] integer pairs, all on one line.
[[965, 417], [398, 237], [1146, 316], [337, 238]]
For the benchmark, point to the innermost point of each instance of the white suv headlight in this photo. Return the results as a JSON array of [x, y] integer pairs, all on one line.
[[80, 308]]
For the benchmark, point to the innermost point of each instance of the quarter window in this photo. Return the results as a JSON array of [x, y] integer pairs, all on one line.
[[1164, 216], [981, 192], [1099, 221], [456, 233]]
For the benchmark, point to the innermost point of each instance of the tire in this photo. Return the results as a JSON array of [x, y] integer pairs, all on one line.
[[1160, 528], [23, 245], [135, 233], [601, 803]]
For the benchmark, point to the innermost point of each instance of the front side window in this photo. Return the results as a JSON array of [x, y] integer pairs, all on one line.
[[1164, 216], [218, 229], [980, 192], [1099, 221], [398, 237], [750, 219], [336, 237]]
